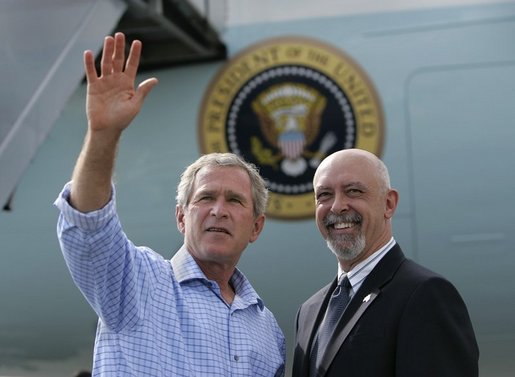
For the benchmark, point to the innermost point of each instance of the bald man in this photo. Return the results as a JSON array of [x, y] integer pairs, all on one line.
[[393, 317]]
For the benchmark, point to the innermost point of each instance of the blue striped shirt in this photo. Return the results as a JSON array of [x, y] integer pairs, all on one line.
[[161, 317]]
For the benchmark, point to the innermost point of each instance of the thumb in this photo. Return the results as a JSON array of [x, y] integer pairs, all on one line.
[[146, 86]]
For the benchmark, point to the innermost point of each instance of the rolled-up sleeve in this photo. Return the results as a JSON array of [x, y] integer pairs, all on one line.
[[100, 258], [87, 222]]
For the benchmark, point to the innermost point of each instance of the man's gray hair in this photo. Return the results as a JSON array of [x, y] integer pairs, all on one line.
[[258, 186]]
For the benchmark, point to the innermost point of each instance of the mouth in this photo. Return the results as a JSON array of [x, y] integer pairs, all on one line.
[[217, 230], [342, 222], [345, 225]]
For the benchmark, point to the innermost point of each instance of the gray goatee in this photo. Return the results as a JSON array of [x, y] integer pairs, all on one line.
[[345, 246]]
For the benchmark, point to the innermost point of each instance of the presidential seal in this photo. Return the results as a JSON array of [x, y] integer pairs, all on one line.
[[285, 104]]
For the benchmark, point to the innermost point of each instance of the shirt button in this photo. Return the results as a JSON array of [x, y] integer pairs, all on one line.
[[236, 357]]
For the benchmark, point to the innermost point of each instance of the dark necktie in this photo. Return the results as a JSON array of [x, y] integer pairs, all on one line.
[[335, 308]]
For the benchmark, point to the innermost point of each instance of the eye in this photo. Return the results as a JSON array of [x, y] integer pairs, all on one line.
[[354, 192], [235, 200], [322, 195]]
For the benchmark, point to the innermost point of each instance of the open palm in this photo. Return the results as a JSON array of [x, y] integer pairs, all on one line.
[[112, 99]]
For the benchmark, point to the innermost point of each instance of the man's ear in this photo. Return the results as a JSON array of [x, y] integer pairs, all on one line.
[[259, 224], [392, 199], [179, 218]]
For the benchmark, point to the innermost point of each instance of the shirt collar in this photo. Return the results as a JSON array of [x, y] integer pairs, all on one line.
[[363, 268], [186, 269]]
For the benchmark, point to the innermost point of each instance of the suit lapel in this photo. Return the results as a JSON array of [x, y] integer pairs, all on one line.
[[315, 311], [310, 315], [363, 298], [340, 336]]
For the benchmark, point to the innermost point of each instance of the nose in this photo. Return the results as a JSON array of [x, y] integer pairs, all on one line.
[[340, 204], [219, 209]]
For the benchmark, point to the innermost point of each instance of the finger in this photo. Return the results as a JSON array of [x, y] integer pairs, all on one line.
[[106, 64], [146, 86], [119, 52], [89, 66], [131, 67]]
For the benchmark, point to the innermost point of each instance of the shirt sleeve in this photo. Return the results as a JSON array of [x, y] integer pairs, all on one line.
[[89, 221], [109, 270]]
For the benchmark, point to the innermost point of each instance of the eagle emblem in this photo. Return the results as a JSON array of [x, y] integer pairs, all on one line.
[[290, 116]]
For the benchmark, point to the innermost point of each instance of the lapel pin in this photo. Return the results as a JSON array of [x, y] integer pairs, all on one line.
[[366, 298]]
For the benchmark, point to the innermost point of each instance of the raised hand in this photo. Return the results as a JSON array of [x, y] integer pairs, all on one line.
[[112, 100]]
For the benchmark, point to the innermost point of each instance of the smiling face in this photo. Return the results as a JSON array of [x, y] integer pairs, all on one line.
[[218, 221], [354, 205]]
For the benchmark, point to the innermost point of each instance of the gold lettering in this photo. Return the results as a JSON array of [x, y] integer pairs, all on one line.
[[216, 146], [293, 52], [341, 70], [264, 57], [213, 121], [223, 90], [217, 103], [276, 204], [368, 128], [317, 57], [237, 74], [362, 101], [366, 112]]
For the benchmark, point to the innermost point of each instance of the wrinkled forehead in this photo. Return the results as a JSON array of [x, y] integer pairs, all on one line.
[[214, 169], [231, 177]]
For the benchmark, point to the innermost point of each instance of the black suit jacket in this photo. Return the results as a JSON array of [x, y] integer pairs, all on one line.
[[409, 322]]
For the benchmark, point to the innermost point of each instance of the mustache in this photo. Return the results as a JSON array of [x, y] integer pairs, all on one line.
[[332, 218]]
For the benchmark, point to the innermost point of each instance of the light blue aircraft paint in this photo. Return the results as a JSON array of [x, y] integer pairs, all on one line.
[[445, 76]]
